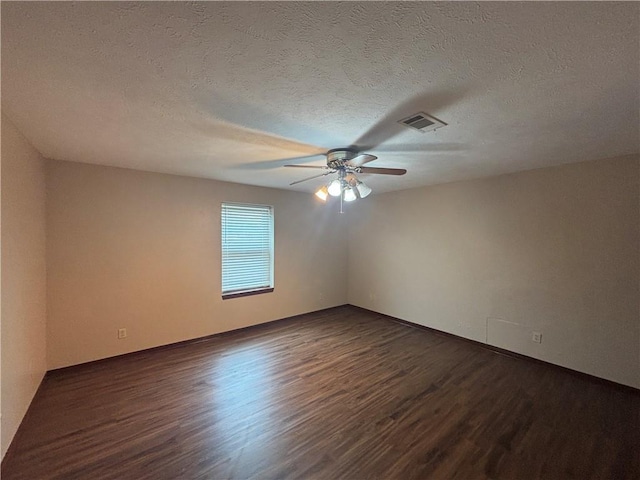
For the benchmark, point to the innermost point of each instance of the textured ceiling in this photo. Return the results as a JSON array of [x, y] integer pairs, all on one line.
[[231, 90]]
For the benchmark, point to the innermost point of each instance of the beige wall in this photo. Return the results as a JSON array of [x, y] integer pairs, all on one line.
[[23, 277], [141, 251], [554, 250]]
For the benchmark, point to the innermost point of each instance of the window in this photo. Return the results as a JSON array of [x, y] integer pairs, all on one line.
[[247, 249]]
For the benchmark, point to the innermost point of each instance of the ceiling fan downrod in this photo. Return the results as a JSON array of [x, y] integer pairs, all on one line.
[[341, 175]]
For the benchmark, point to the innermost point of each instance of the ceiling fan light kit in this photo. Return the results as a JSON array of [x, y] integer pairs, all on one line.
[[346, 163]]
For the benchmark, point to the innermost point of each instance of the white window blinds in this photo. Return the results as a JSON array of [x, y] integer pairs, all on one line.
[[247, 248]]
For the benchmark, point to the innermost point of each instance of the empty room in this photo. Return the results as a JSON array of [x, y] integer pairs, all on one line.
[[320, 240]]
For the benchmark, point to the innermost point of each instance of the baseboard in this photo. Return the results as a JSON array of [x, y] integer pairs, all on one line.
[[48, 374], [80, 366], [15, 440], [502, 351], [182, 343]]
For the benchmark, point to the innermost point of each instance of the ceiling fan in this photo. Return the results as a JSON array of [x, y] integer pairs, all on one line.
[[346, 162]]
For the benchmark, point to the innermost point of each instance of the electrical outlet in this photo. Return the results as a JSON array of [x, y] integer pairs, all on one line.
[[122, 333], [536, 337]]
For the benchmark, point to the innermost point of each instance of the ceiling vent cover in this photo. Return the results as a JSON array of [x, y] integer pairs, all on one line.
[[422, 122]]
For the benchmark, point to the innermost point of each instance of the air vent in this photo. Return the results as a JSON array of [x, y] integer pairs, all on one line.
[[422, 122]]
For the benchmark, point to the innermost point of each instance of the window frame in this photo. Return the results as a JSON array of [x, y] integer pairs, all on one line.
[[236, 293]]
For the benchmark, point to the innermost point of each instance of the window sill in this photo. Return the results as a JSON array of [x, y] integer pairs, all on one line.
[[227, 296]]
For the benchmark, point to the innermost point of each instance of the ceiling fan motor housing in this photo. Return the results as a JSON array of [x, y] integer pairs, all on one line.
[[338, 156]]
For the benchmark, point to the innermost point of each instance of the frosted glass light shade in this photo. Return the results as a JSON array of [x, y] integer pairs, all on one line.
[[363, 189], [349, 194], [335, 188], [322, 193]]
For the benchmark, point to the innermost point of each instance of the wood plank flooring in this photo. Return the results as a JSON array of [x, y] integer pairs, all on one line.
[[340, 394]]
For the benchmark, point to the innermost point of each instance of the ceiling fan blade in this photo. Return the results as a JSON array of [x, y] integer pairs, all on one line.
[[311, 178], [387, 127], [307, 166], [383, 171], [422, 148], [361, 159], [271, 164]]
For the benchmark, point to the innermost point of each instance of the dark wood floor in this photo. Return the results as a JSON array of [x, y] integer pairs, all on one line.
[[338, 394]]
